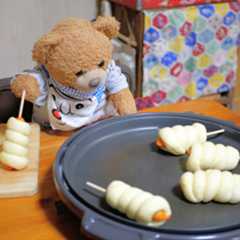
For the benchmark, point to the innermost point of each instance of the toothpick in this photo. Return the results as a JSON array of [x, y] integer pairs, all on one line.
[[21, 104], [215, 132], [96, 187]]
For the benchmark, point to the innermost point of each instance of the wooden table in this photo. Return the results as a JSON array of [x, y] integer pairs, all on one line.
[[43, 216]]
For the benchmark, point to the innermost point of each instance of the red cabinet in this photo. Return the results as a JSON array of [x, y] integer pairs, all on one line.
[[153, 4]]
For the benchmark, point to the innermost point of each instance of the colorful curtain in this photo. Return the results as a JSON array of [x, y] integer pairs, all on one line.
[[190, 52]]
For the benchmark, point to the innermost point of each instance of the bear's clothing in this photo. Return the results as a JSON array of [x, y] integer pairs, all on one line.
[[66, 108]]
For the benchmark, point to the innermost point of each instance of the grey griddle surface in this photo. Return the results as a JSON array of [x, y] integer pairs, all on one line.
[[124, 149]]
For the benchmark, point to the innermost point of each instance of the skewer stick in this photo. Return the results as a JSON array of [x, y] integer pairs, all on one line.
[[215, 132], [21, 104], [98, 188]]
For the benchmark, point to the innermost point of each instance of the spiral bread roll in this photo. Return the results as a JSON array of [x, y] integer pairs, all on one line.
[[205, 186], [137, 204], [15, 145], [19, 126], [208, 155], [178, 139]]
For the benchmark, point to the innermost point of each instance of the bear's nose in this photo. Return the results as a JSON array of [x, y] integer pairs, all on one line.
[[94, 82]]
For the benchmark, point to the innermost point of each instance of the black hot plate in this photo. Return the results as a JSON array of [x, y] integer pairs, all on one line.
[[124, 149]]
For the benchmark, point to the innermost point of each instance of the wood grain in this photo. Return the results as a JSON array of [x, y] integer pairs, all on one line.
[[42, 216], [201, 106], [23, 182]]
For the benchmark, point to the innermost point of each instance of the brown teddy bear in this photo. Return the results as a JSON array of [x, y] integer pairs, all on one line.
[[75, 82]]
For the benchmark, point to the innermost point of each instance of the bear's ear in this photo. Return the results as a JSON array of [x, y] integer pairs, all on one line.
[[70, 24], [44, 46], [107, 25]]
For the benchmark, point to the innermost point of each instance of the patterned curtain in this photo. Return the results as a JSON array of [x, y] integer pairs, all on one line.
[[190, 51]]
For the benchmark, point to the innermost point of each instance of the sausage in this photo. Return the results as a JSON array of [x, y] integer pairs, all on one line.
[[137, 204], [15, 145], [178, 139], [211, 185]]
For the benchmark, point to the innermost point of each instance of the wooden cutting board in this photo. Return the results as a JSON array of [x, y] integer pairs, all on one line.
[[23, 182]]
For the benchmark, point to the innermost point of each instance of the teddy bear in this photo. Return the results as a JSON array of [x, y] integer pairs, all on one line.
[[75, 82]]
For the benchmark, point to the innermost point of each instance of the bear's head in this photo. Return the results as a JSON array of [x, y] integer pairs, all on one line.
[[76, 52]]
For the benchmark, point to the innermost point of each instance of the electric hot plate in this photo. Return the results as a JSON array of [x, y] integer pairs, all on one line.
[[123, 149]]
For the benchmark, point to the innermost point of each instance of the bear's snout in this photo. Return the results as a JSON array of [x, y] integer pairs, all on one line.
[[94, 82], [90, 80]]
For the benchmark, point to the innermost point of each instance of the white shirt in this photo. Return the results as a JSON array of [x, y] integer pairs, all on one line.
[[65, 108]]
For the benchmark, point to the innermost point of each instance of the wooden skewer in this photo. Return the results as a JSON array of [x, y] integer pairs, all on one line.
[[215, 132], [21, 104], [95, 186]]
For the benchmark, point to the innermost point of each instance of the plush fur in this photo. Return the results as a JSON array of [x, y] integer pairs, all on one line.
[[75, 45]]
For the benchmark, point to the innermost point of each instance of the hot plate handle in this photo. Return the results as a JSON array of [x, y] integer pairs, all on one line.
[[105, 229]]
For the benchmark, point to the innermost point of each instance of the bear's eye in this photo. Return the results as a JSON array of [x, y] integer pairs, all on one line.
[[101, 64], [80, 73], [79, 106], [54, 97]]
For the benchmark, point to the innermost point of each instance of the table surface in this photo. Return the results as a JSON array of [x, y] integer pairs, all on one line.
[[43, 216]]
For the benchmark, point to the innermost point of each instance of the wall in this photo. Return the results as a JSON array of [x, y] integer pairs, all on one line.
[[23, 22]]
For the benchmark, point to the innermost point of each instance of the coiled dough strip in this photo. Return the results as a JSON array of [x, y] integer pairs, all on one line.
[[15, 149], [211, 185], [18, 126], [16, 137], [178, 139], [136, 203], [208, 155], [15, 146], [14, 161]]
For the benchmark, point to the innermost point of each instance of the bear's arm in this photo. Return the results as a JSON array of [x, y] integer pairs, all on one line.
[[124, 102], [118, 90], [34, 85]]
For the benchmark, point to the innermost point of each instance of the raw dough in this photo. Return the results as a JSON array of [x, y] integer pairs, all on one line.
[[15, 146], [178, 139], [208, 155], [211, 185], [136, 203]]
